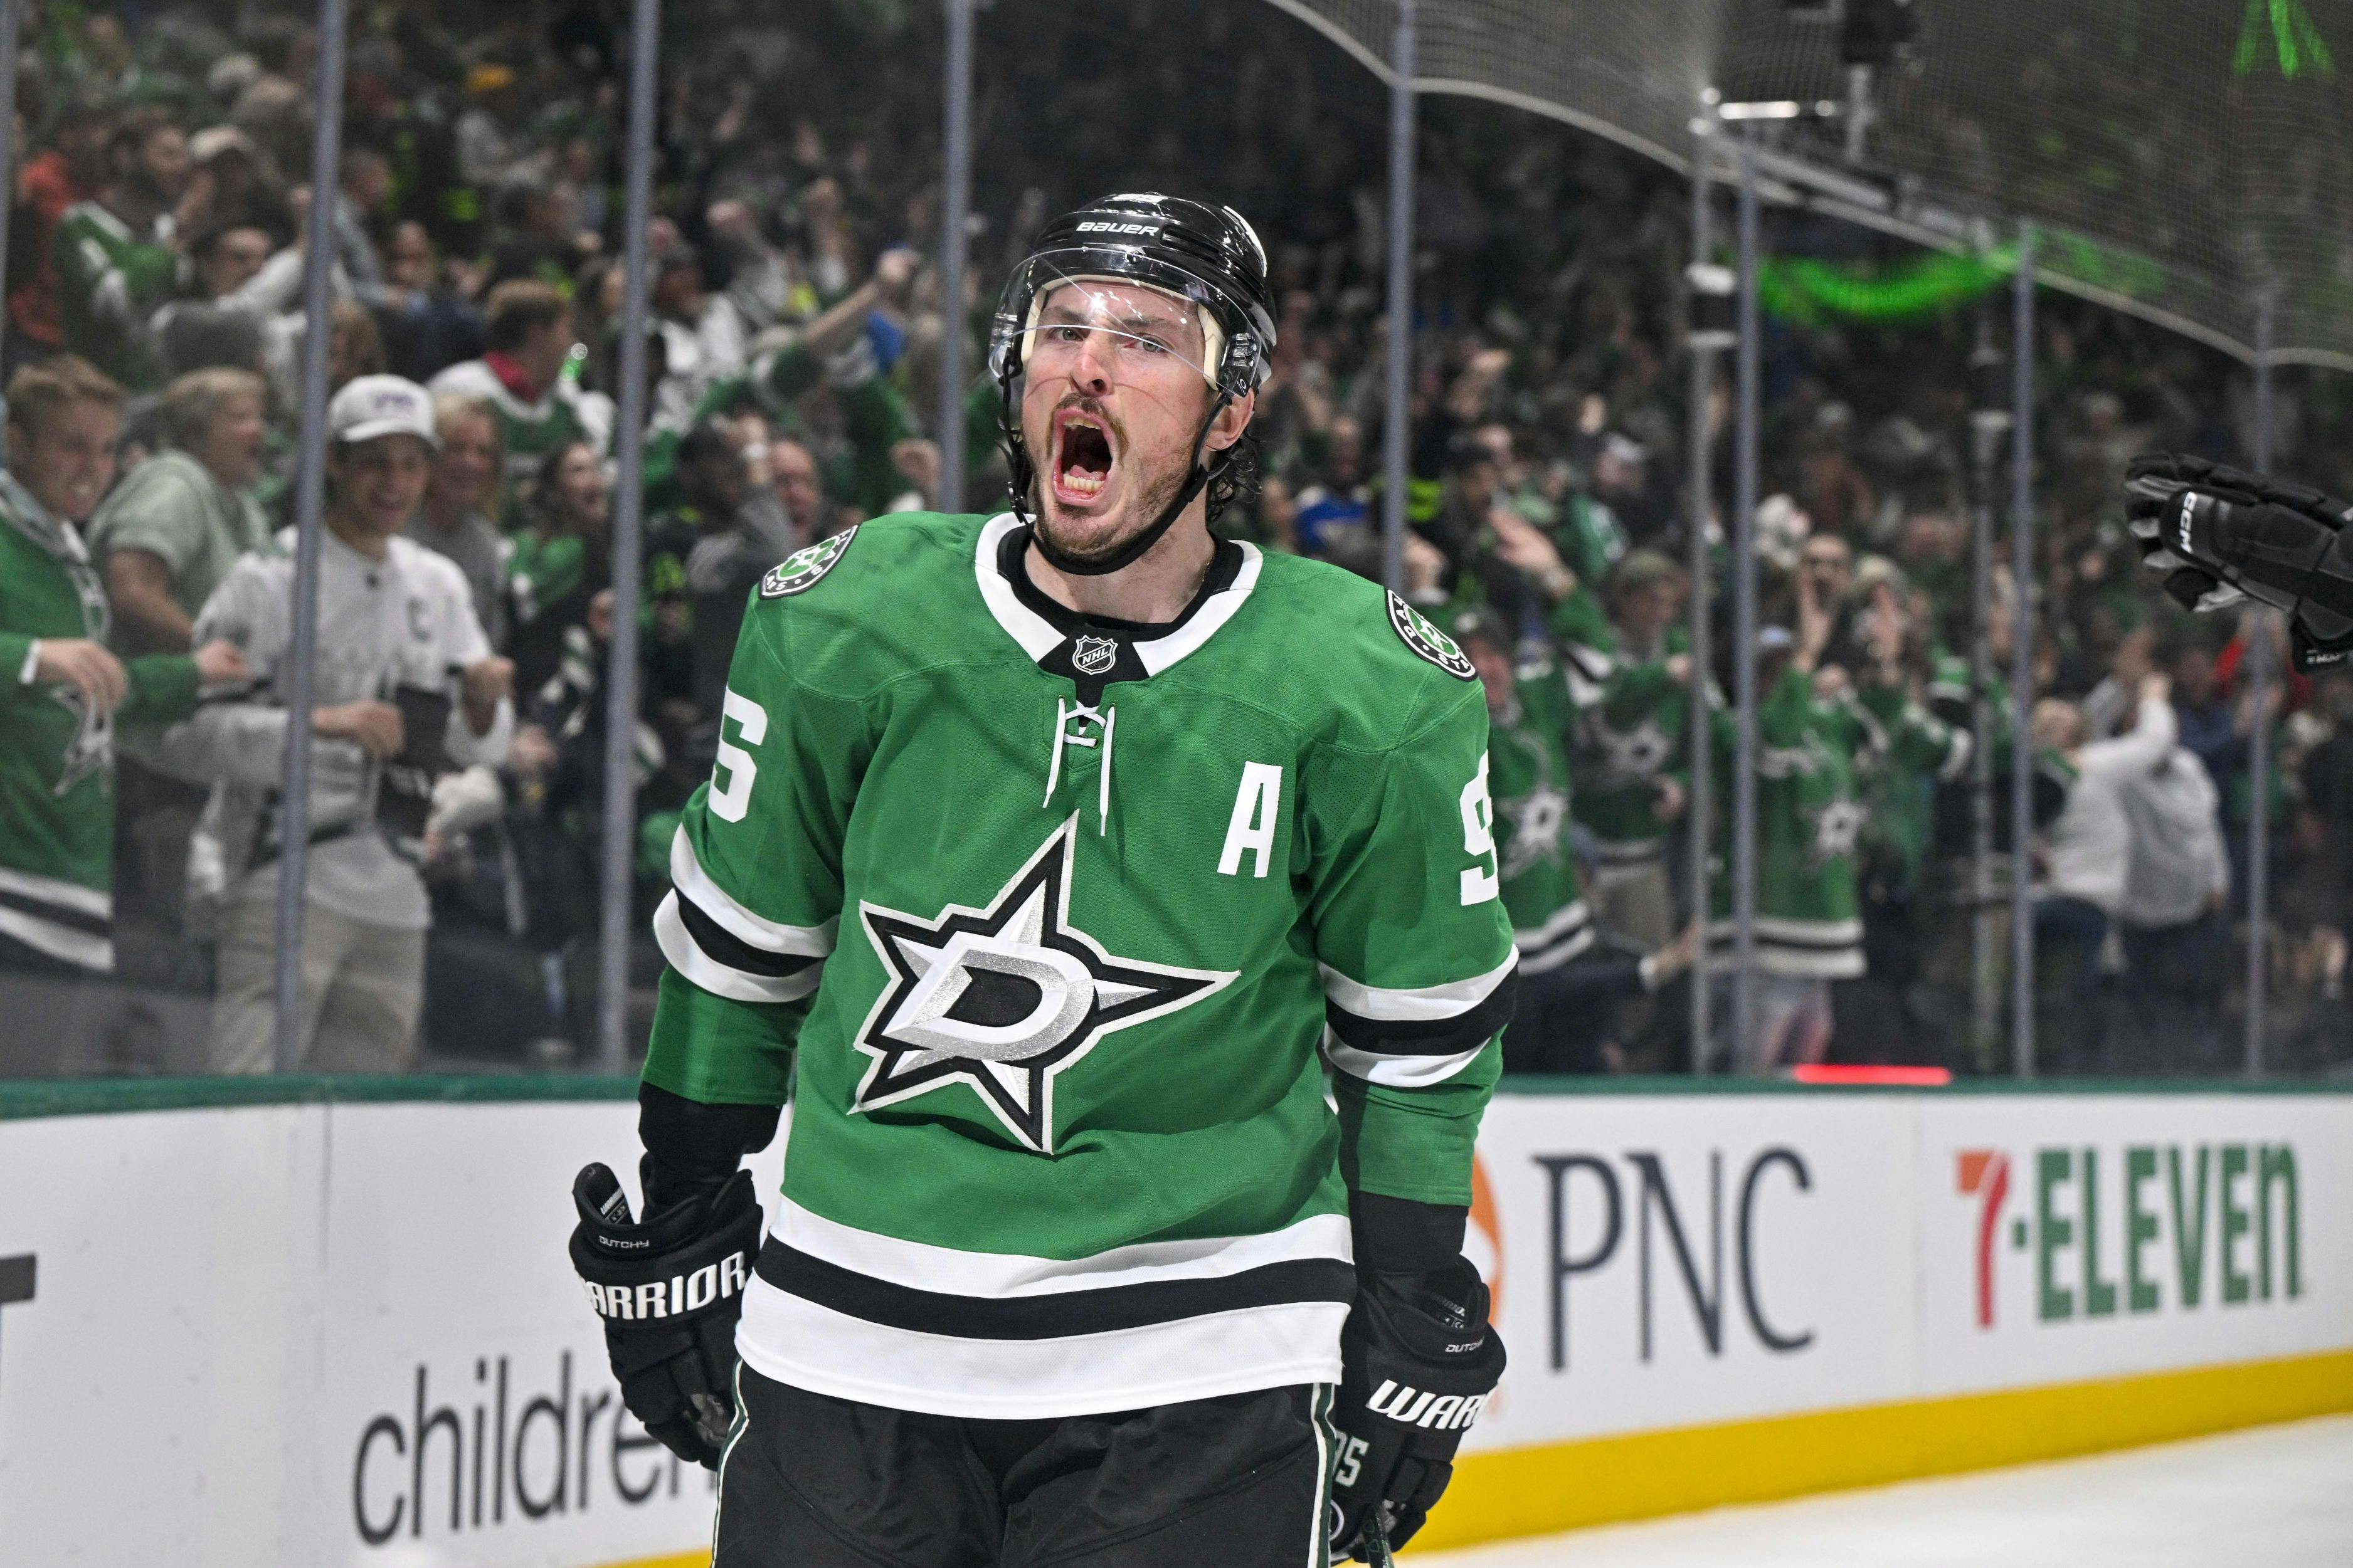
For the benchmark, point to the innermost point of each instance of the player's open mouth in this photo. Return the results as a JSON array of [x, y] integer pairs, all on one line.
[[1084, 457]]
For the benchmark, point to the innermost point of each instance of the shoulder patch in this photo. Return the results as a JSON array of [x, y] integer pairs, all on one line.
[[802, 570], [1420, 633]]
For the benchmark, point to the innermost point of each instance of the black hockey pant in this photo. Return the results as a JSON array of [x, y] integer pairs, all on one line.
[[811, 1481]]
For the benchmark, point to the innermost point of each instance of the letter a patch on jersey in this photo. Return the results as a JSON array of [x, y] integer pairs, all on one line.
[[1006, 998], [799, 572]]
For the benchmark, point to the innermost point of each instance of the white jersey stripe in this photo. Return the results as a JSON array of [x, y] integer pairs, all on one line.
[[687, 875], [60, 895], [1413, 1004], [687, 956], [955, 1272], [59, 941], [796, 1341], [1395, 1072]]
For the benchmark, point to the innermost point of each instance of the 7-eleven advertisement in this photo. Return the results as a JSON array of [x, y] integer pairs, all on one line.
[[2067, 1237], [1683, 1260]]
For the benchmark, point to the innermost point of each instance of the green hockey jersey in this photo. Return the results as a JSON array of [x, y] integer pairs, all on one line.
[[1054, 924], [57, 753], [528, 432], [1632, 735], [111, 280], [1817, 762], [1529, 777]]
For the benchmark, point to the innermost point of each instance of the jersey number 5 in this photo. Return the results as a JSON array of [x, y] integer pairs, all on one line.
[[732, 776], [1478, 883]]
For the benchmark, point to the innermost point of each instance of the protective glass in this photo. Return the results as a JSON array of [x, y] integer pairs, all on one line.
[[1065, 310]]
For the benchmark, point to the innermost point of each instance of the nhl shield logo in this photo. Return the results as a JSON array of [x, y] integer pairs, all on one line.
[[1093, 655], [1418, 633], [800, 570]]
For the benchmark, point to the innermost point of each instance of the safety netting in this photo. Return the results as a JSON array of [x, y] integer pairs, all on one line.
[[2188, 161]]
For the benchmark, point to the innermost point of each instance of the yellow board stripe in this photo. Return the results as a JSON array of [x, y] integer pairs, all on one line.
[[1599, 1480], [1642, 1475]]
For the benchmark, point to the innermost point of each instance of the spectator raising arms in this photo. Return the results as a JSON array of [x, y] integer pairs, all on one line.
[[408, 690], [63, 691]]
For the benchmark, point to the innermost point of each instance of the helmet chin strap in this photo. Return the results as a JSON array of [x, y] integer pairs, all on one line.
[[1133, 549]]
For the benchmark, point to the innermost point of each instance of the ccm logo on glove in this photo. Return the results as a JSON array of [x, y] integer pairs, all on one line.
[[682, 1293]]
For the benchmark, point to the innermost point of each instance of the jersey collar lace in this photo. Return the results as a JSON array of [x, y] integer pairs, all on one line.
[[1095, 652]]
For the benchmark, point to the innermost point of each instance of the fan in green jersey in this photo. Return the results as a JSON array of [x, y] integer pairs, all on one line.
[[527, 378], [1122, 906], [116, 254], [1819, 742], [1569, 981], [61, 692]]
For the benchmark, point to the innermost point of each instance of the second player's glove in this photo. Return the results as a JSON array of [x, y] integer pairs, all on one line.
[[670, 1290], [1419, 1360], [2221, 534]]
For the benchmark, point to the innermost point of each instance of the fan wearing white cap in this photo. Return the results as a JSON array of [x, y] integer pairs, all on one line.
[[408, 690]]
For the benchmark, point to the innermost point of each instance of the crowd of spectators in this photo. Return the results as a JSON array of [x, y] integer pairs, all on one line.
[[154, 326]]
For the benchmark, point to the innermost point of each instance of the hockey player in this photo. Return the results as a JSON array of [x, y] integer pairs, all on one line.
[[1121, 904], [65, 692]]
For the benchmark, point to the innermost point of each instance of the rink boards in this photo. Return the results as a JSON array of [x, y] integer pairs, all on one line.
[[320, 1324]]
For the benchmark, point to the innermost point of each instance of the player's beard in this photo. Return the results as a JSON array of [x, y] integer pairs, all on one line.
[[1140, 513]]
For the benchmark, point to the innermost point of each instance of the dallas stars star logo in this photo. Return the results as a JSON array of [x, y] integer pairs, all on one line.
[[1837, 824], [1632, 755], [1006, 998], [1536, 819], [92, 750]]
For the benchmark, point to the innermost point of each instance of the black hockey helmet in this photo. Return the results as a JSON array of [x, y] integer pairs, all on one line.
[[1207, 256]]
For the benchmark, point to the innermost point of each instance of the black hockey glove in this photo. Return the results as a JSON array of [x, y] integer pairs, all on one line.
[[2221, 534], [1419, 1360], [670, 1291]]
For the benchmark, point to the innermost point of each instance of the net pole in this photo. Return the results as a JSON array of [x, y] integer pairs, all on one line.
[[309, 512], [10, 10], [2259, 656], [1986, 421], [1744, 618], [955, 244], [1396, 402], [1699, 806], [2023, 625], [620, 859]]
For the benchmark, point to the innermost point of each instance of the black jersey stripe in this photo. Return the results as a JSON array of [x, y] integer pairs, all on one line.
[[1723, 937], [1055, 1316], [1429, 1037], [725, 947], [80, 921]]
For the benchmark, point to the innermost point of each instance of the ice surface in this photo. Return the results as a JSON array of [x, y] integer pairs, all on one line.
[[2280, 1497]]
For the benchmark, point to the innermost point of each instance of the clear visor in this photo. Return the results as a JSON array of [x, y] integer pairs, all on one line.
[[1136, 326]]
